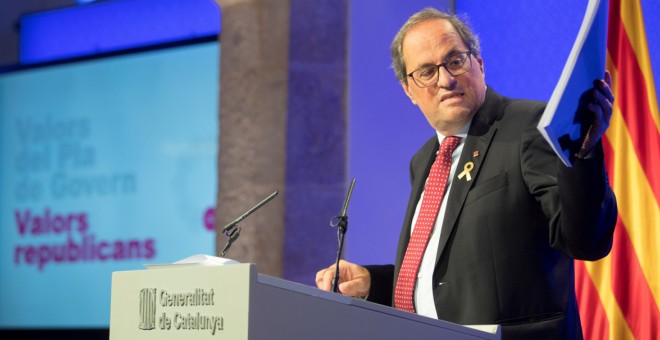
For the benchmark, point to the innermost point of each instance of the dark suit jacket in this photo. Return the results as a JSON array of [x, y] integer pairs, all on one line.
[[510, 234]]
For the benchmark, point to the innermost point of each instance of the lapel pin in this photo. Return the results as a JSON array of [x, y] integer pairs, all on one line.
[[466, 171], [475, 153]]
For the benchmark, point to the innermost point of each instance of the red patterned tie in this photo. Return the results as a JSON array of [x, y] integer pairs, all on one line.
[[433, 194]]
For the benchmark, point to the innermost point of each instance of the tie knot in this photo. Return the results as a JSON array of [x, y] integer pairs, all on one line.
[[449, 144]]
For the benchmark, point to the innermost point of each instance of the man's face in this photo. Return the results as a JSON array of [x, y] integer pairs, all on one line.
[[453, 101]]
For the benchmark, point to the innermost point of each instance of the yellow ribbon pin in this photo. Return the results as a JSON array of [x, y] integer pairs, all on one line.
[[466, 171]]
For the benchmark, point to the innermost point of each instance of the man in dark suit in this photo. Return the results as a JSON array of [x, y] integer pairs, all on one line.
[[510, 217]]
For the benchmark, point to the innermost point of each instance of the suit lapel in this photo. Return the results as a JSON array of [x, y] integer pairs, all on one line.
[[475, 150], [482, 131]]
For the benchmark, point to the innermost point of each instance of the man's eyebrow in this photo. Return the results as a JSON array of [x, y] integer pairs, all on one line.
[[448, 55], [426, 65], [452, 53]]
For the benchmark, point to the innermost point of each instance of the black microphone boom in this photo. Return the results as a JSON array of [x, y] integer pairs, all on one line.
[[247, 213], [232, 230]]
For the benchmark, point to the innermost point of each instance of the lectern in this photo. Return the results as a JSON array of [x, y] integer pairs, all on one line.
[[234, 302]]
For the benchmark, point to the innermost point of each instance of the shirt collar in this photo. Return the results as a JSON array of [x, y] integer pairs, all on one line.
[[462, 132]]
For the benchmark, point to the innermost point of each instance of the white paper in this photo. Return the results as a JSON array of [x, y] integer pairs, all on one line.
[[195, 261], [492, 329]]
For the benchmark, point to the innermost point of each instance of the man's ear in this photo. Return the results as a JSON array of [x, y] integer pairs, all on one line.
[[406, 89], [481, 65]]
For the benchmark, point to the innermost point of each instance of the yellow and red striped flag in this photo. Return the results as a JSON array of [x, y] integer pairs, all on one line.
[[619, 295]]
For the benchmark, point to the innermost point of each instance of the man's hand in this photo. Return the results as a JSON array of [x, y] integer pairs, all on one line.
[[354, 280], [601, 107]]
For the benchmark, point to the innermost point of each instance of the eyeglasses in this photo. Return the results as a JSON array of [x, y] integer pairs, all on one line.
[[429, 75]]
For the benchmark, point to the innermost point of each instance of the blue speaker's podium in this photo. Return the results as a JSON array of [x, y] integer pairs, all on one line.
[[234, 302]]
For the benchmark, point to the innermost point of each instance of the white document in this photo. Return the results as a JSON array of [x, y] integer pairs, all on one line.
[[195, 261]]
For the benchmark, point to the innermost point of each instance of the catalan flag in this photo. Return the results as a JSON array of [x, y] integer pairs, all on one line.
[[619, 296]]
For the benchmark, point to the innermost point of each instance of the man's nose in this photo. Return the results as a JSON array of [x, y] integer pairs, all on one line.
[[445, 79]]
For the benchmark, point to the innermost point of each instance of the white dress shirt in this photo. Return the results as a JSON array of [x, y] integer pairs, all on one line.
[[424, 302]]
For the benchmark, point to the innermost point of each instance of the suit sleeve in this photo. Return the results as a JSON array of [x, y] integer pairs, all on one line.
[[382, 286], [577, 201]]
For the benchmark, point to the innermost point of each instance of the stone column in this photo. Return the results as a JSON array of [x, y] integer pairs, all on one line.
[[254, 42], [283, 125]]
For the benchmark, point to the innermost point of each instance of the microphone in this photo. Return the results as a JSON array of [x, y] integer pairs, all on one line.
[[341, 222], [232, 230], [247, 213]]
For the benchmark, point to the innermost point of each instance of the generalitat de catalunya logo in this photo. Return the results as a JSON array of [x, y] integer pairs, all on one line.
[[147, 309]]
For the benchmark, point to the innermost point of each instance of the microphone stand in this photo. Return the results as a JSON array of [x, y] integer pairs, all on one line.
[[233, 231], [341, 222]]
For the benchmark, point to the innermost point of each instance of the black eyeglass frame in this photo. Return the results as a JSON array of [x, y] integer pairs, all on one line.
[[468, 54]]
